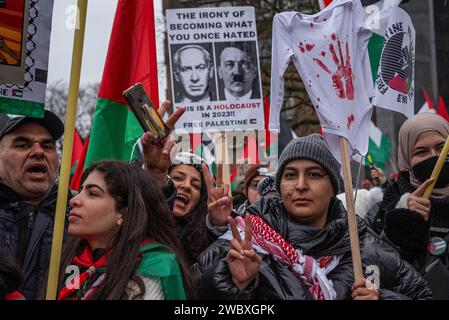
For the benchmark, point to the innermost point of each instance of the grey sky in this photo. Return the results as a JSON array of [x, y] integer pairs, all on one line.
[[100, 16]]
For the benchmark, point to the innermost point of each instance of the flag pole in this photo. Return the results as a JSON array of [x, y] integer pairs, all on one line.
[[437, 169], [393, 165], [358, 178], [352, 221], [61, 204], [224, 159]]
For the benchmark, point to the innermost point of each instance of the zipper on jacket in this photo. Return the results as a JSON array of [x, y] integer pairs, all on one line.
[[30, 220]]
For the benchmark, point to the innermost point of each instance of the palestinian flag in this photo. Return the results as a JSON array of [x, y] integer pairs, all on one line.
[[160, 263], [377, 20], [131, 58], [379, 148], [428, 104], [442, 111], [75, 180], [77, 151]]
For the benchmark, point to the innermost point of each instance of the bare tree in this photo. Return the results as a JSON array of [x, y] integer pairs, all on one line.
[[56, 101]]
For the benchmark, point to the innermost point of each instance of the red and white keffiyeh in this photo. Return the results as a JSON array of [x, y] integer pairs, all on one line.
[[310, 271]]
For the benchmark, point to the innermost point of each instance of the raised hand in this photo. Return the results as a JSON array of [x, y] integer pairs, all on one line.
[[377, 175], [244, 263], [364, 290], [416, 202], [219, 202], [156, 156]]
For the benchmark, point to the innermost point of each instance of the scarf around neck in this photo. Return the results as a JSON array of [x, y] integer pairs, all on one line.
[[312, 272], [77, 288], [157, 262]]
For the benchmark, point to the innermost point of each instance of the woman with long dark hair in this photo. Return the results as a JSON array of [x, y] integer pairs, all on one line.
[[189, 189], [190, 204], [124, 245]]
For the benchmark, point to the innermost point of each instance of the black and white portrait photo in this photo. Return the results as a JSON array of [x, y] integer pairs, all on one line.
[[193, 73], [237, 67]]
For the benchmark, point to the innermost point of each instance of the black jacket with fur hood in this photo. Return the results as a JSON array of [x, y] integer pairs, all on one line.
[[397, 279]]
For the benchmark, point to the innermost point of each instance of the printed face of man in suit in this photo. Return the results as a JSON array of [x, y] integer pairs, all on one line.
[[194, 72], [237, 71]]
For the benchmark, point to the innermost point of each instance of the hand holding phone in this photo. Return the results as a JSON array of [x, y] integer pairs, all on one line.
[[145, 112]]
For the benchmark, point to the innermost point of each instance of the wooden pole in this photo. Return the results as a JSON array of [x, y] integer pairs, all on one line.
[[225, 160], [437, 170], [61, 203], [358, 178], [352, 221], [395, 169]]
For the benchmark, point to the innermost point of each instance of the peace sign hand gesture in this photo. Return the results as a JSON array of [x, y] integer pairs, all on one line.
[[219, 203], [244, 263]]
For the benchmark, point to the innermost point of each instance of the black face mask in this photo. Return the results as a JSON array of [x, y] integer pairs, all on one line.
[[423, 170]]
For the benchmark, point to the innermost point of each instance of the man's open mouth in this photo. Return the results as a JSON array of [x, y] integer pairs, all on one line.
[[37, 169]]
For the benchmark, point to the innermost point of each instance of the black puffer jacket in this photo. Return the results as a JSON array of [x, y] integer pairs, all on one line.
[[407, 230], [398, 280], [26, 232]]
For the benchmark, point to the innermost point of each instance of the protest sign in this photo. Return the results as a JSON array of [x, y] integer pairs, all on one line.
[[215, 68], [13, 36], [24, 44]]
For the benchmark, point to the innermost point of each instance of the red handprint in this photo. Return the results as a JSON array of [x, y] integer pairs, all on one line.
[[351, 119], [342, 78], [308, 47]]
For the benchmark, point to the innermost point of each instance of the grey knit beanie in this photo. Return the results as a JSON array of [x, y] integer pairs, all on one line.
[[311, 147]]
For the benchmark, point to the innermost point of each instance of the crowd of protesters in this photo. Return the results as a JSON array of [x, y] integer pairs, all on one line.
[[169, 229]]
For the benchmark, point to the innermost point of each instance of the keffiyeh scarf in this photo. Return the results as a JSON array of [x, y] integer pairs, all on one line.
[[312, 272]]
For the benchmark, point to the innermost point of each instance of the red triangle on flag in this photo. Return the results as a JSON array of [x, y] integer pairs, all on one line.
[[442, 111], [429, 102], [77, 148], [324, 3], [76, 178]]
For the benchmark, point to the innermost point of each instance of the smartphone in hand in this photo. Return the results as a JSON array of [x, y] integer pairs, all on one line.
[[145, 112]]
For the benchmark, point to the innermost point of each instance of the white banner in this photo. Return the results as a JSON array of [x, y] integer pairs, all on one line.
[[395, 82], [215, 69], [26, 96]]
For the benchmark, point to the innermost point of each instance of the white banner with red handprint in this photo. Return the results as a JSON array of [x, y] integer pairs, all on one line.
[[329, 50], [395, 82]]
